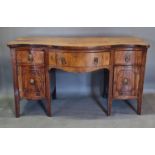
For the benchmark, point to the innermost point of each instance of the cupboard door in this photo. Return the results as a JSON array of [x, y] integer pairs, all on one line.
[[126, 82]]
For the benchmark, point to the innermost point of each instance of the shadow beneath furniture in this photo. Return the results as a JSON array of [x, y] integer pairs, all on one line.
[[130, 105], [98, 102], [32, 108], [78, 108]]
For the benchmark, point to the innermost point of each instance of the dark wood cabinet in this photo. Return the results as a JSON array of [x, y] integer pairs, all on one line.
[[124, 58]]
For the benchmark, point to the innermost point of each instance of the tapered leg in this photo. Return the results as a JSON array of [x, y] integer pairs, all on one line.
[[48, 107], [139, 106], [15, 83], [47, 85], [48, 104], [110, 88], [17, 105], [110, 92], [48, 95], [140, 93], [109, 106], [141, 85]]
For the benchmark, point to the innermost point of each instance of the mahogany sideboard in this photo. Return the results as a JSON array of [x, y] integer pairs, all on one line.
[[33, 57]]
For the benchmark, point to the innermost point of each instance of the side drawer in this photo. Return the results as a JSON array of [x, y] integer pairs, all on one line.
[[128, 57], [30, 56], [126, 81], [31, 82]]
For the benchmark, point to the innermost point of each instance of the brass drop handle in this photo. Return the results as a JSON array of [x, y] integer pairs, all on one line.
[[127, 58], [125, 81], [30, 57], [32, 81], [95, 60], [63, 61]]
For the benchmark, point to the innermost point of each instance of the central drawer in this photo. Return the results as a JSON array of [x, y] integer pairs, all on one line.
[[77, 59]]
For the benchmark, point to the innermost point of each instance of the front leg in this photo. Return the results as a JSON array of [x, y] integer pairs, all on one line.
[[110, 87], [139, 105], [48, 95], [110, 91], [15, 82]]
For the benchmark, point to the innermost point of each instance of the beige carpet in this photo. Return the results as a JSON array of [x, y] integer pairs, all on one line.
[[80, 112]]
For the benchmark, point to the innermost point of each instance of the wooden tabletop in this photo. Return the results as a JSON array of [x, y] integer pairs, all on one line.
[[79, 41]]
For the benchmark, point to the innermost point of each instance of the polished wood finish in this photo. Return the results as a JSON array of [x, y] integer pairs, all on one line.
[[83, 59], [15, 82], [47, 84], [124, 59], [33, 82], [126, 82], [30, 56], [76, 42], [128, 57]]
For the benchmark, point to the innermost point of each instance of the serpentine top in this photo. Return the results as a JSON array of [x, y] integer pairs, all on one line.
[[79, 41]]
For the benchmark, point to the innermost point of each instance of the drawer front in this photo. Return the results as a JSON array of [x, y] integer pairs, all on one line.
[[126, 81], [128, 57], [83, 59], [32, 82], [34, 56]]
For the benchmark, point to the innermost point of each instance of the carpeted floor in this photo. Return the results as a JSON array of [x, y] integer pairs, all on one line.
[[80, 112]]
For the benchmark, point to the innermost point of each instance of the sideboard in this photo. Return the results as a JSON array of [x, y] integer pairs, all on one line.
[[124, 59]]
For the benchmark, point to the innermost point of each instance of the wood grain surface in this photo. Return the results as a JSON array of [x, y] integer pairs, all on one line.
[[123, 58], [79, 41]]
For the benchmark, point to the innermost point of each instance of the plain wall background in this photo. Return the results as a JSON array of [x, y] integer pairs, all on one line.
[[71, 83]]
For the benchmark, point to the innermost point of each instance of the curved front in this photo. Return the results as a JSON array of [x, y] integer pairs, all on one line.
[[79, 61]]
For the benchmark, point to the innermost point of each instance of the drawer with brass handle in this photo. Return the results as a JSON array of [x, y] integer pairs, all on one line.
[[35, 56], [126, 81], [33, 82], [83, 59], [128, 57]]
